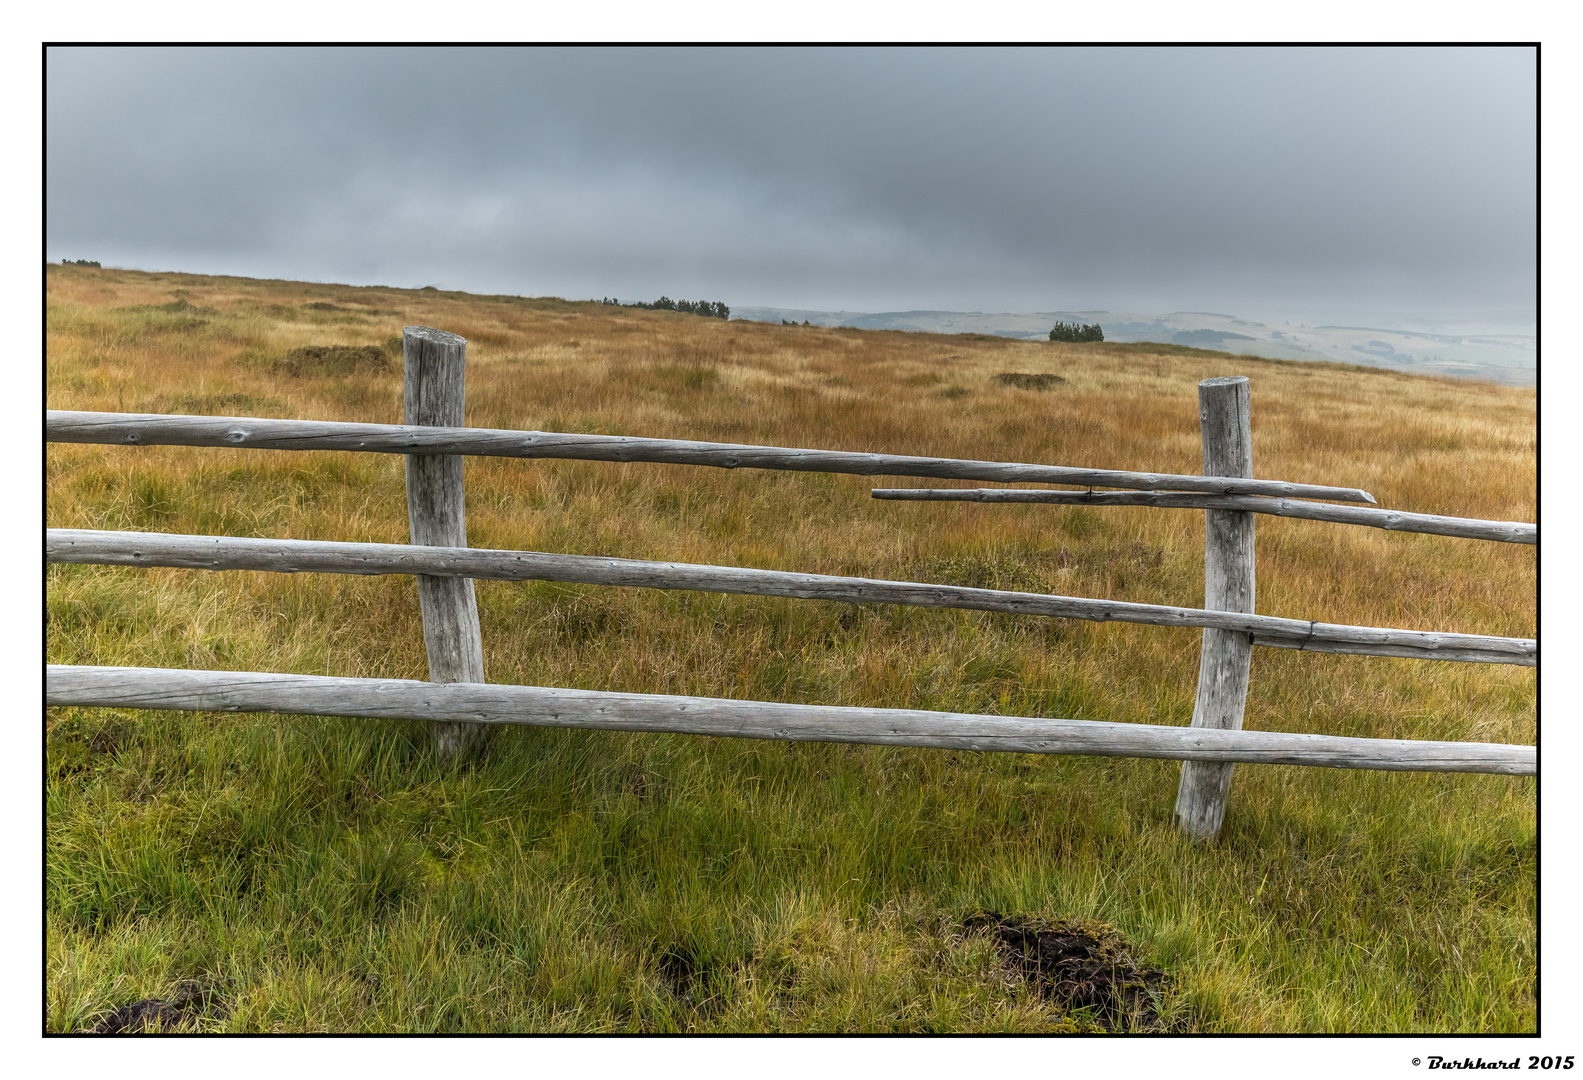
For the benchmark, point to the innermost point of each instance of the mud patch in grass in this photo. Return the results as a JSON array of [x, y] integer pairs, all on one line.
[[1083, 966], [191, 1001], [678, 972], [691, 982]]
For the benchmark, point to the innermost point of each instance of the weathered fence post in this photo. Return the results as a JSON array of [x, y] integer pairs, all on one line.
[[1225, 656], [433, 391]]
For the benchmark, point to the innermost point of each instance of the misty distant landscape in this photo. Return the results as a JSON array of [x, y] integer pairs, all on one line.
[[1500, 346]]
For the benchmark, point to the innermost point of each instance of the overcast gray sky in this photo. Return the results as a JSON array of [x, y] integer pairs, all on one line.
[[1155, 180]]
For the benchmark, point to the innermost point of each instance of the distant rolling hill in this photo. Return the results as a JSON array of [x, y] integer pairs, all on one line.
[[1496, 349]]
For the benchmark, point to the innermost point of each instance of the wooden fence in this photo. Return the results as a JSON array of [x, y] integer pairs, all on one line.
[[461, 704]]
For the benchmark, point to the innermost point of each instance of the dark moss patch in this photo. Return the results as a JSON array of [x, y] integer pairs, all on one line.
[[1119, 565], [319, 361], [1082, 966], [986, 570], [1026, 381], [182, 304], [80, 742], [693, 983], [323, 311], [384, 870], [234, 404], [586, 618], [633, 780]]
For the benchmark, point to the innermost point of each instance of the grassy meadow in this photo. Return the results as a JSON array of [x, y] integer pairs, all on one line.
[[262, 873]]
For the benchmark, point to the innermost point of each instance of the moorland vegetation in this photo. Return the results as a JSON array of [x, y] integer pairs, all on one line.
[[291, 873]]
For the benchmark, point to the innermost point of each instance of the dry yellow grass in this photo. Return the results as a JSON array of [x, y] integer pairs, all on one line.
[[129, 341]]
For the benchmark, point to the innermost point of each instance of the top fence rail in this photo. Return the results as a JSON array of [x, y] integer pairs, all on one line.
[[158, 429]]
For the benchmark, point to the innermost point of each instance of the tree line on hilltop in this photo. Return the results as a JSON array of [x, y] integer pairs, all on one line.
[[1077, 332], [708, 309]]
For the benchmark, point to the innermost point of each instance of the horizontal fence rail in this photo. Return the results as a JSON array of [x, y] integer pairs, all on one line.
[[480, 703], [1510, 532], [157, 429], [324, 556]]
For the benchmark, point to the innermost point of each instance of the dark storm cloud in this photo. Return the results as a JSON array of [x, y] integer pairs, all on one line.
[[864, 179]]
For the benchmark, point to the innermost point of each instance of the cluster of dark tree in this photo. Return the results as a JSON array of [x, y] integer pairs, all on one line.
[[80, 262], [715, 310], [1077, 332], [794, 322]]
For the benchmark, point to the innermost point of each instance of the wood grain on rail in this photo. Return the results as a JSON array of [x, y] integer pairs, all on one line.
[[1509, 532], [335, 557], [157, 429], [476, 703]]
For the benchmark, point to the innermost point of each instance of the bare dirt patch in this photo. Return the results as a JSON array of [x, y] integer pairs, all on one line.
[[191, 1001], [693, 983], [1082, 966]]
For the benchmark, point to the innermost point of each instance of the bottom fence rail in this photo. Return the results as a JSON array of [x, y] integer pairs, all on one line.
[[489, 703]]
